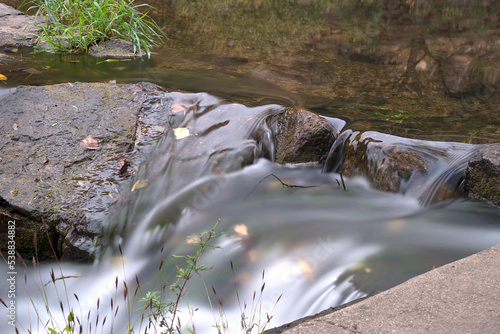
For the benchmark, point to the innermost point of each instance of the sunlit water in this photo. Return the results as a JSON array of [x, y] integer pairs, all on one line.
[[293, 227]]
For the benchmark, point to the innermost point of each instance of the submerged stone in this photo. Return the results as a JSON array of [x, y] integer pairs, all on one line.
[[117, 48]]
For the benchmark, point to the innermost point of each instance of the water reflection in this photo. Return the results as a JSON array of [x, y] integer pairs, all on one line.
[[411, 68]]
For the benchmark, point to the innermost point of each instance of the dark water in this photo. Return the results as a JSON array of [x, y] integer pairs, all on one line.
[[318, 244]]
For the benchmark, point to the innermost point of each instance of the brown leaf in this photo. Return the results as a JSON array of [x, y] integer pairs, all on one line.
[[89, 143], [14, 126], [178, 107]]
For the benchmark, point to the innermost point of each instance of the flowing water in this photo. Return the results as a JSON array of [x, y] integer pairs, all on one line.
[[293, 228]]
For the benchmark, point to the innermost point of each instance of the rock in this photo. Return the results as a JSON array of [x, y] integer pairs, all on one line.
[[45, 174], [482, 179], [118, 48], [302, 136], [17, 29]]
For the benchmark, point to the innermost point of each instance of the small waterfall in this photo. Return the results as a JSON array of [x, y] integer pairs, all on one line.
[[427, 170]]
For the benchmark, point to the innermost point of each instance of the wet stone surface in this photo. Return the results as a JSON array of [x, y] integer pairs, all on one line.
[[482, 179]]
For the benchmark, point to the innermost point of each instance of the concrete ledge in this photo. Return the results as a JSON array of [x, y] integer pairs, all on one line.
[[460, 297]]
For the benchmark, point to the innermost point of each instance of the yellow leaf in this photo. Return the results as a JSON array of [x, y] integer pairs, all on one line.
[[3, 77], [139, 184], [181, 133], [241, 229]]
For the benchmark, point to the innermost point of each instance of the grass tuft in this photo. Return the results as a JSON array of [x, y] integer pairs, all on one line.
[[75, 26]]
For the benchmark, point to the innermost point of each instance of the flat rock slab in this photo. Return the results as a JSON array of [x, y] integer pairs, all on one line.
[[51, 169], [17, 29], [461, 297]]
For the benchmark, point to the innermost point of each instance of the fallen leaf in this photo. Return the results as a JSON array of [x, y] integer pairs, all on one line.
[[3, 77], [241, 229], [14, 126], [89, 143], [177, 107], [139, 184], [181, 133]]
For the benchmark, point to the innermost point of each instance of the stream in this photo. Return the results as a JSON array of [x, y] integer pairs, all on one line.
[[292, 239]]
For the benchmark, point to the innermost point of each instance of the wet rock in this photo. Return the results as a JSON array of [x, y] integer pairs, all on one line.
[[482, 179], [17, 29], [302, 136], [47, 175], [117, 48]]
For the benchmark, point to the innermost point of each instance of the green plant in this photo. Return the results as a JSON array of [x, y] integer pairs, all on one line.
[[74, 26], [157, 309]]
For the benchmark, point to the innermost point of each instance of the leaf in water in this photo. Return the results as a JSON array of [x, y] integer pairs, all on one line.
[[139, 184], [192, 240], [181, 133], [89, 143], [177, 107], [3, 77], [241, 229]]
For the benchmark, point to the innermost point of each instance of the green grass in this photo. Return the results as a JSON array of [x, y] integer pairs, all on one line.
[[74, 26]]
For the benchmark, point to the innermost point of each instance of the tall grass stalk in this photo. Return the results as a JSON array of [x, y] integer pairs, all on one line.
[[72, 26], [159, 311]]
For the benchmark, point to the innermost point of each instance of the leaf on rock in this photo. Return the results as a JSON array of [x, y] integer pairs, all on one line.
[[15, 126], [89, 143], [181, 133], [3, 77]]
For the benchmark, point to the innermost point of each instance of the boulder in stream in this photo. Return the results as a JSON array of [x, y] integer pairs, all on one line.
[[482, 179]]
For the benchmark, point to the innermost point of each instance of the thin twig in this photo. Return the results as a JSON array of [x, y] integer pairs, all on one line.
[[282, 183]]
